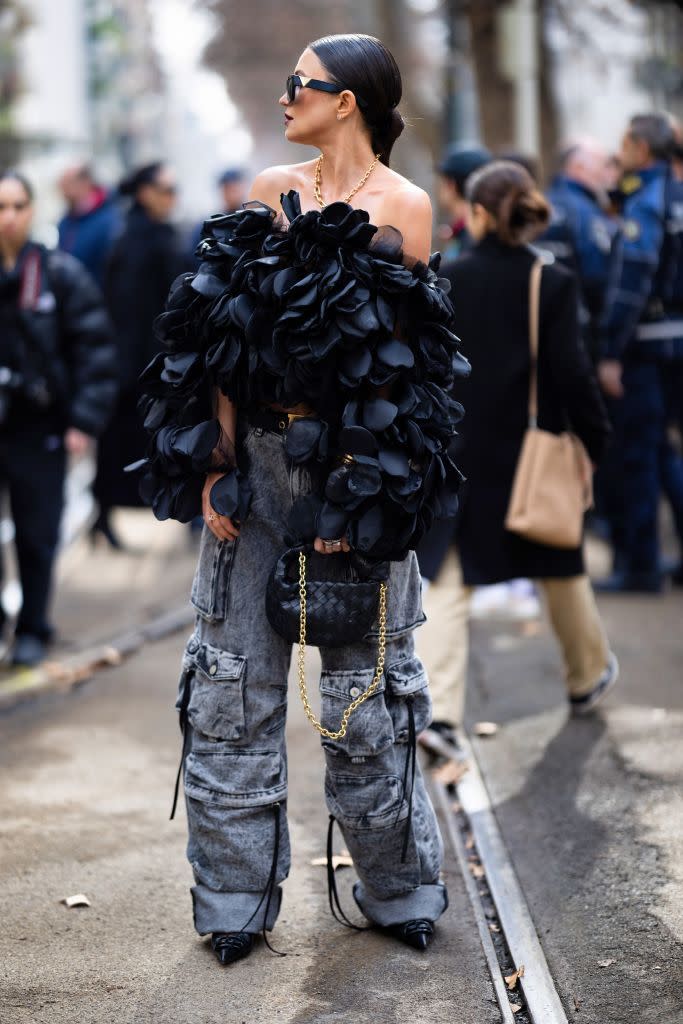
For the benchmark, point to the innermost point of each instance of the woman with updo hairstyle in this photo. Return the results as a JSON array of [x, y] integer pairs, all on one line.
[[144, 260], [491, 290], [303, 405]]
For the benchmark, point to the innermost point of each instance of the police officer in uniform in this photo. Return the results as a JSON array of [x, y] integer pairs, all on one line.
[[641, 365], [581, 231]]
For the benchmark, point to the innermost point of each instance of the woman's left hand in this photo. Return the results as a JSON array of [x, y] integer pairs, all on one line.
[[340, 544]]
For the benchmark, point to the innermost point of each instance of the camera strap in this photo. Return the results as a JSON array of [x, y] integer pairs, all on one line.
[[31, 279]]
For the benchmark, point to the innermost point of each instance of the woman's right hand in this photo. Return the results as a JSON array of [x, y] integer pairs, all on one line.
[[221, 527]]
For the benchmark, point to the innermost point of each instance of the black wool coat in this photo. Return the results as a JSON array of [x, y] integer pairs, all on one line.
[[144, 261], [490, 294]]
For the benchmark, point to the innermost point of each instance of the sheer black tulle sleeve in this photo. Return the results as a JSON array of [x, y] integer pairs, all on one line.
[[331, 313]]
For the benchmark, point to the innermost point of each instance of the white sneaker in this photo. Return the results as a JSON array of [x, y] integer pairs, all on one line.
[[585, 704]]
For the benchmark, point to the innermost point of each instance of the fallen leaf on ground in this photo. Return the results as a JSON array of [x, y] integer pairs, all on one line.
[[512, 979], [485, 728], [469, 842], [494, 927], [338, 861], [477, 870], [79, 900], [606, 963], [515, 1007], [450, 772]]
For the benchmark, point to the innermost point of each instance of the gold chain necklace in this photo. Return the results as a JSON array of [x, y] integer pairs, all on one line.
[[319, 177]]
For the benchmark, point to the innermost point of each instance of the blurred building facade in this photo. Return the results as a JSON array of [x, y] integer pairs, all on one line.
[[87, 86], [514, 73], [116, 81]]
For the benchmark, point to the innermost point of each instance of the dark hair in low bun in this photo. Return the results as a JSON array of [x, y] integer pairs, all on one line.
[[365, 66], [508, 192], [384, 135]]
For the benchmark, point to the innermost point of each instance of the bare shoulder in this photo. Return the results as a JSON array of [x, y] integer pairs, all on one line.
[[408, 207], [269, 184]]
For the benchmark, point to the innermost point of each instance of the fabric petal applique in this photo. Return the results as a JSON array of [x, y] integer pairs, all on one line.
[[321, 308]]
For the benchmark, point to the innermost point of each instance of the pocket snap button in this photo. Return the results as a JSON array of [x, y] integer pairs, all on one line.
[[354, 691], [213, 669], [281, 424]]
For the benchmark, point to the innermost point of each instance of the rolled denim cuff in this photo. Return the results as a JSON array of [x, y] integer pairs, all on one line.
[[230, 911], [427, 901]]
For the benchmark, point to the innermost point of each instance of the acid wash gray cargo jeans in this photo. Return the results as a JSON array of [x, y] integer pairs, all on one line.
[[233, 700]]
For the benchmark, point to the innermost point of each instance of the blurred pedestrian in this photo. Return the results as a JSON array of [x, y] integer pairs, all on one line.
[[580, 232], [641, 369], [145, 260], [580, 237], [57, 391], [233, 188], [490, 287], [458, 163], [530, 163], [91, 222], [677, 153]]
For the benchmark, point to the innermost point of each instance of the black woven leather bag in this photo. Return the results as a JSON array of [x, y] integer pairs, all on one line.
[[338, 612]]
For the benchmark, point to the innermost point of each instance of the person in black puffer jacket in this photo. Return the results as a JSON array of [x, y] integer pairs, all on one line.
[[57, 392]]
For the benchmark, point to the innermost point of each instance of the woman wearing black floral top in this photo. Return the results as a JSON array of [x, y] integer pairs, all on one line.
[[303, 397]]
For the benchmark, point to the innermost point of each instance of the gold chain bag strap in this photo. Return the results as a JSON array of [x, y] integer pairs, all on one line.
[[552, 486], [379, 671]]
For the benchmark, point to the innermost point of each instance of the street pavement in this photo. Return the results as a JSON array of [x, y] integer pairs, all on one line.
[[590, 811], [88, 779]]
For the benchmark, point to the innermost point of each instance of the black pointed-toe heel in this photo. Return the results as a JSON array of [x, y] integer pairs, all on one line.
[[231, 946], [417, 934]]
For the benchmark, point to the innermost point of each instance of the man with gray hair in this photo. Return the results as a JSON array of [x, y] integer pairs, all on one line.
[[641, 365], [581, 231]]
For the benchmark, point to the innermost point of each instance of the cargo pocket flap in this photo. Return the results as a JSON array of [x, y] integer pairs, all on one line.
[[348, 684], [230, 778], [364, 802], [217, 664], [406, 676], [215, 707]]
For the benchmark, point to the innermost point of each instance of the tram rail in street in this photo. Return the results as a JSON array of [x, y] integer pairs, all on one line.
[[540, 1002]]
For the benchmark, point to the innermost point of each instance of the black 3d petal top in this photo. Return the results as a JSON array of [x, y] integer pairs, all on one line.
[[325, 310]]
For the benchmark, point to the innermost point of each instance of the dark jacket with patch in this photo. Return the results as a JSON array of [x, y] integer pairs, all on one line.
[[643, 314], [62, 338]]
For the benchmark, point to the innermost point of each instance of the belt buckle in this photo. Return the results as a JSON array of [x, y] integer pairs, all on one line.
[[292, 416]]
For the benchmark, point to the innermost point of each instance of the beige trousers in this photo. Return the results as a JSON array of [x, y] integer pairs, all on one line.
[[443, 641]]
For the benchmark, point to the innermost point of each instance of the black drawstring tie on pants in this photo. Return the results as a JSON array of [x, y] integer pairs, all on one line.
[[270, 884], [332, 894], [410, 765], [182, 721]]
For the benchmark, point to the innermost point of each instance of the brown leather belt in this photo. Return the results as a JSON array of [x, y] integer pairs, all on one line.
[[274, 420]]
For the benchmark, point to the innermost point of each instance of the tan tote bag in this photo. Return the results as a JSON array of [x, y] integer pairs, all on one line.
[[553, 484]]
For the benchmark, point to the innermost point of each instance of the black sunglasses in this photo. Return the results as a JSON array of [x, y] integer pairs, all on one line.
[[296, 82]]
